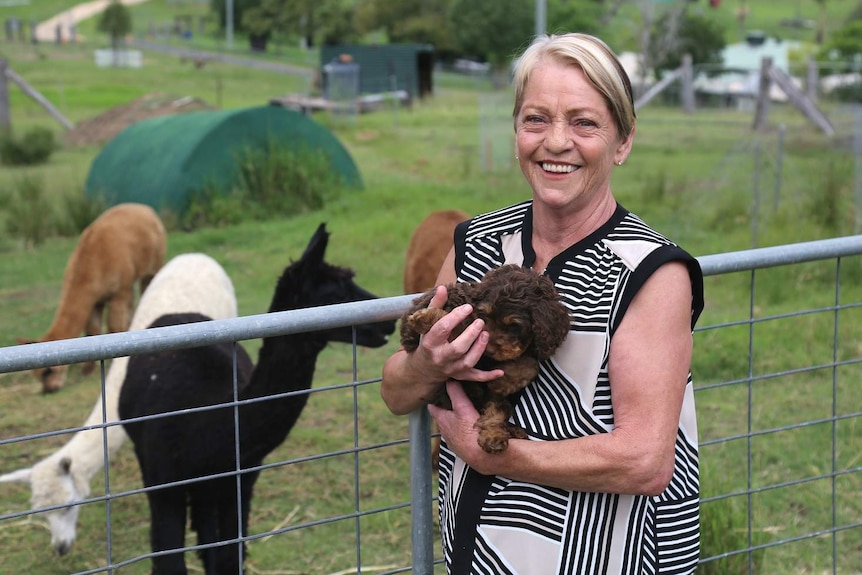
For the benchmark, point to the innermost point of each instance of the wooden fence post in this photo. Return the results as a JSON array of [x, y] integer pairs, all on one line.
[[39, 98], [812, 79], [761, 109], [5, 117], [687, 84]]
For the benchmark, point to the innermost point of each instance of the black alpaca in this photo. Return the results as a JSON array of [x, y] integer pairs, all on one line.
[[200, 444]]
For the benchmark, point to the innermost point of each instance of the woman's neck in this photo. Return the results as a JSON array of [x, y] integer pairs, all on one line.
[[556, 230]]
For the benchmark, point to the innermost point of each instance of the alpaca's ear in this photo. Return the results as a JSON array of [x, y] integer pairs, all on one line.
[[316, 249], [22, 475], [65, 465]]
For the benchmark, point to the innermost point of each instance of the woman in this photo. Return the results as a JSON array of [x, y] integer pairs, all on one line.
[[607, 481]]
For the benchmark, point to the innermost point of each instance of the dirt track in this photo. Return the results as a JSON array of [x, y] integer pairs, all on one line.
[[47, 31]]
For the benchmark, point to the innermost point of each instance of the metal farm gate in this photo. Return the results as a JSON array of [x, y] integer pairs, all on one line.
[[779, 410]]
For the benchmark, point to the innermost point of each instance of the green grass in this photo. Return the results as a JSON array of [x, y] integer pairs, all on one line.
[[689, 176]]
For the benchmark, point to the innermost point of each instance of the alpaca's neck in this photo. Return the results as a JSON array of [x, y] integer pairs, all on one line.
[[86, 447], [284, 364], [70, 319]]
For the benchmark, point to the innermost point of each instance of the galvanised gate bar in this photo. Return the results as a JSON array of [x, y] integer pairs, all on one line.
[[779, 411]]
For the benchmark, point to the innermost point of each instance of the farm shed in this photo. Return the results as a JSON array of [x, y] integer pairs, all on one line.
[[386, 68], [162, 161]]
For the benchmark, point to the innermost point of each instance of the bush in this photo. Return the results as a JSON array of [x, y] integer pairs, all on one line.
[[213, 208], [35, 147], [272, 182], [29, 216], [287, 181], [79, 212]]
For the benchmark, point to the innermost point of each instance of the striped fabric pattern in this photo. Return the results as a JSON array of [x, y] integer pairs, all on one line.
[[532, 529]]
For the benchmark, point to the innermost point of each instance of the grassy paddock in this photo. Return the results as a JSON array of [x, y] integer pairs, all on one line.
[[691, 177]]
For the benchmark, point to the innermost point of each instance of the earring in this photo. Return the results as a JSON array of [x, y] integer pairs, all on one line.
[[516, 157], [620, 163]]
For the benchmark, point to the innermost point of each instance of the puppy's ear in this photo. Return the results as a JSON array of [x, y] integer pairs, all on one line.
[[551, 325]]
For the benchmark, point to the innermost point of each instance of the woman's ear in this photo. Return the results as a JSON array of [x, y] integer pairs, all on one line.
[[624, 148]]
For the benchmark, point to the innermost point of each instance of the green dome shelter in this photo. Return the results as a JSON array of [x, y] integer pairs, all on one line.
[[163, 161]]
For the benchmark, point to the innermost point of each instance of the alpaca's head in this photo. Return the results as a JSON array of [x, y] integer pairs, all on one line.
[[53, 485], [52, 377], [312, 282]]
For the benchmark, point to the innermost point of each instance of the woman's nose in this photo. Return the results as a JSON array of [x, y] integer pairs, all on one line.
[[558, 137]]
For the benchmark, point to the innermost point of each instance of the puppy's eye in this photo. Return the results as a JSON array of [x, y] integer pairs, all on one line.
[[515, 327]]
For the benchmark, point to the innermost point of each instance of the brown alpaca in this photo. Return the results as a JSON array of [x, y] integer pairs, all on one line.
[[431, 241], [124, 245], [527, 323]]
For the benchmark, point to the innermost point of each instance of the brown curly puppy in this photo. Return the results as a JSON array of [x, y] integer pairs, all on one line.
[[526, 321]]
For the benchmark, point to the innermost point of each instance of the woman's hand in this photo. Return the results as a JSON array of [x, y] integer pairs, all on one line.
[[455, 359], [412, 379], [457, 426]]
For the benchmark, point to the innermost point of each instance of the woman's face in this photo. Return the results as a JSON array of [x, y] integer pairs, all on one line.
[[566, 137]]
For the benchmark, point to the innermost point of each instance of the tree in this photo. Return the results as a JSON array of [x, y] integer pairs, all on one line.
[[116, 21], [493, 30], [327, 21], [420, 21], [821, 22], [845, 44], [676, 34], [239, 8], [576, 16]]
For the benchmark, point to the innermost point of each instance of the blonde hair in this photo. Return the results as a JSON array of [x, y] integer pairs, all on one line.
[[599, 63]]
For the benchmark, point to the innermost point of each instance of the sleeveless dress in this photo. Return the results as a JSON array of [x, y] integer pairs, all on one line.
[[509, 527]]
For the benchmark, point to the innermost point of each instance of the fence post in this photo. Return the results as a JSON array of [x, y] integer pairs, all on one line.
[[857, 153], [779, 168], [812, 80], [761, 110], [422, 523], [5, 117], [687, 81]]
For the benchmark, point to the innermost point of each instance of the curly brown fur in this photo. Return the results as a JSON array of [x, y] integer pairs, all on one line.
[[526, 321]]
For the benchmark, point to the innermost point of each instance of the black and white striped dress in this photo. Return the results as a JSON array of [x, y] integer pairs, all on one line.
[[510, 527]]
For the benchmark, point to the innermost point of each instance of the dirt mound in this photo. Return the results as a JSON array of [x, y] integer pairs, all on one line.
[[105, 126]]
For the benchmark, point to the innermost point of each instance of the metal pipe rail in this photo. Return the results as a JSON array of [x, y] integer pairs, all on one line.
[[23, 357]]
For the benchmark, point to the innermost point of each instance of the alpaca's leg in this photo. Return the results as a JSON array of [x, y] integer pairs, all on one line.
[[94, 321], [168, 529], [93, 327], [120, 310], [228, 555], [144, 284], [205, 523]]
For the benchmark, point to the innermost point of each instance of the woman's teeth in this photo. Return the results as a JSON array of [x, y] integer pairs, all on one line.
[[558, 168]]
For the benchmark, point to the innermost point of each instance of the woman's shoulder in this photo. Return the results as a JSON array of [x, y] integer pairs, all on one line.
[[501, 220]]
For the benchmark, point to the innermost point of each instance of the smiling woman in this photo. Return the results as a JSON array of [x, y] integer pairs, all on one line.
[[609, 419]]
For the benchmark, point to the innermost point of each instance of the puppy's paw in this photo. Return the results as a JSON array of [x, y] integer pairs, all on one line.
[[422, 320]]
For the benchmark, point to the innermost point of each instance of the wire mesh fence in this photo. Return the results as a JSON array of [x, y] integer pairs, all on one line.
[[351, 490]]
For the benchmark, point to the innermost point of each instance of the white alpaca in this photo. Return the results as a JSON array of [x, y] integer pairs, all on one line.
[[188, 283]]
